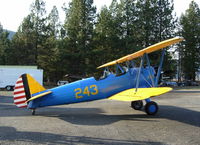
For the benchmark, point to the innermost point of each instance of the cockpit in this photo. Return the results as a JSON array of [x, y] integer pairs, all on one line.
[[116, 70]]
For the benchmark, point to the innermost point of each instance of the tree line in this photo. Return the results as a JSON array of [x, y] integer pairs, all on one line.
[[89, 38]]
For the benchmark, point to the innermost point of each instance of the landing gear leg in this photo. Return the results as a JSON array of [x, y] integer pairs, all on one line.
[[33, 111]]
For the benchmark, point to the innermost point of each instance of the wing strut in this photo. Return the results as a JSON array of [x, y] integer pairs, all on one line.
[[150, 70], [139, 72], [160, 67]]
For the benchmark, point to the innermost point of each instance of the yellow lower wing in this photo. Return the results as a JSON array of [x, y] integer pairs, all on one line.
[[140, 94]]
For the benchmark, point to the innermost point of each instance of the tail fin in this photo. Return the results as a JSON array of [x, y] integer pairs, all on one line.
[[25, 86]]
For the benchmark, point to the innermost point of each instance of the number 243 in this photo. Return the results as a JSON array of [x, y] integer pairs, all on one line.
[[88, 90]]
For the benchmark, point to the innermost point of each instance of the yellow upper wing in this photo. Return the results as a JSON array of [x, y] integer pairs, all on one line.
[[147, 50], [140, 94]]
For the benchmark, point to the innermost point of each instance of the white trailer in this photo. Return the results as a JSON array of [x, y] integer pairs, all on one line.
[[10, 74]]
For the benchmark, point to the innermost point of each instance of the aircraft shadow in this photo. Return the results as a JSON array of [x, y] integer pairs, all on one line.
[[186, 91], [182, 115], [10, 134], [95, 119], [96, 116]]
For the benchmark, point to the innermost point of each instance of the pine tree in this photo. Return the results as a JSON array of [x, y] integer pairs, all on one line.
[[102, 38], [30, 36], [110, 34], [49, 49], [129, 17], [38, 18], [155, 22], [23, 46], [166, 24], [79, 25], [190, 30], [4, 45], [53, 21]]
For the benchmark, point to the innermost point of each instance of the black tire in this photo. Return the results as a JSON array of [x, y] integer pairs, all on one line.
[[33, 112], [137, 105], [9, 88], [151, 108]]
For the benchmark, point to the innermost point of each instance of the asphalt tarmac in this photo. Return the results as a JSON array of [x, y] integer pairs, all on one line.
[[104, 122]]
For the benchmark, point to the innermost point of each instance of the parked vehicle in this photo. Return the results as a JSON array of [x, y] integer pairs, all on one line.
[[168, 83], [190, 83], [60, 83], [9, 75]]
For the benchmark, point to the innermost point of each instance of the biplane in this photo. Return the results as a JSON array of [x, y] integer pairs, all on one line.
[[128, 83]]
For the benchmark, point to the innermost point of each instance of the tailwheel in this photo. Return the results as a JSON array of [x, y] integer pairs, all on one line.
[[151, 108], [33, 111], [137, 105]]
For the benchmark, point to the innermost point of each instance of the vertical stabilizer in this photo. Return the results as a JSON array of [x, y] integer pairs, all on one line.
[[25, 87]]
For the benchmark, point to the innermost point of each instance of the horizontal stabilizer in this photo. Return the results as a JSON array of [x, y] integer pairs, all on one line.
[[39, 95], [140, 94]]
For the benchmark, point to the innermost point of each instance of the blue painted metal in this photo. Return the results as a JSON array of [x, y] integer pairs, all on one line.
[[90, 89], [160, 67], [139, 72], [150, 70], [119, 69], [155, 83], [147, 100], [131, 64]]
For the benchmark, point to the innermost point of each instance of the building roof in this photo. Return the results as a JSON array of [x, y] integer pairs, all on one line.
[[18, 66]]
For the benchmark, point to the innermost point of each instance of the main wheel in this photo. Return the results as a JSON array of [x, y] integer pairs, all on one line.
[[9, 88], [137, 105], [151, 108], [33, 112]]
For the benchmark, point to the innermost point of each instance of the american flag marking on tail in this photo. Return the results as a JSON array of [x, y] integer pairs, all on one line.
[[19, 94]]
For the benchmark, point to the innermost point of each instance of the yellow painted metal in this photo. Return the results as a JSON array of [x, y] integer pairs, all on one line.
[[34, 86], [38, 96], [147, 50], [141, 94]]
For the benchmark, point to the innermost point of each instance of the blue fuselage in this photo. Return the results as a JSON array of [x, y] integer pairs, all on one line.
[[91, 89]]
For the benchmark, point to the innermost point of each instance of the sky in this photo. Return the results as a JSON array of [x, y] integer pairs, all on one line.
[[12, 12]]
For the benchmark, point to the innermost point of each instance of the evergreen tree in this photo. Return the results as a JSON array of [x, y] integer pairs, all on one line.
[[38, 18], [166, 25], [79, 25], [109, 33], [30, 36], [23, 47], [85, 41], [105, 36], [128, 11], [4, 45], [190, 24], [49, 49], [54, 23], [155, 23]]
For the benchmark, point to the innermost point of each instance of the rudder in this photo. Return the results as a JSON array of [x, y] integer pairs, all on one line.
[[25, 86]]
